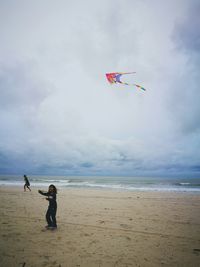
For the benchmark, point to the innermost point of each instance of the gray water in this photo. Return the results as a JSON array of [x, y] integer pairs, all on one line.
[[106, 182]]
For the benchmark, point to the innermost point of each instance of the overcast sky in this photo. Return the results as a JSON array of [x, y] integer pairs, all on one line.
[[59, 115]]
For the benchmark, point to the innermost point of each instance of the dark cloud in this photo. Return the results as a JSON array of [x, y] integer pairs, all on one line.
[[86, 165], [187, 32], [185, 84], [19, 87]]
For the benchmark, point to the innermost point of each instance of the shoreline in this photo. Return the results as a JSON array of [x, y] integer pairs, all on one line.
[[20, 188], [100, 228], [189, 191]]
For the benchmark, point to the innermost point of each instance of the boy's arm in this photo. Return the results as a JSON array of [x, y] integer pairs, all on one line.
[[42, 193]]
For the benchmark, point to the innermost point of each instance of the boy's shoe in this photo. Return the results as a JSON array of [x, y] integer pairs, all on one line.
[[47, 226], [52, 228]]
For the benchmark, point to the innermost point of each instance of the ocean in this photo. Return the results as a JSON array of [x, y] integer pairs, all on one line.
[[108, 183]]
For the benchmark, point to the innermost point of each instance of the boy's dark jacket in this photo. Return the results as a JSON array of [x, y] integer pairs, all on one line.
[[51, 197]]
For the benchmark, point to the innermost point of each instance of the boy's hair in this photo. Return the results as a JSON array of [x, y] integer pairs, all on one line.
[[54, 188]]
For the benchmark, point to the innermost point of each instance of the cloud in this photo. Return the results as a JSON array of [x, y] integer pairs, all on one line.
[[20, 87], [188, 32], [186, 36]]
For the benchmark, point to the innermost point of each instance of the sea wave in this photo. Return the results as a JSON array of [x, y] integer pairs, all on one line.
[[187, 184], [110, 183]]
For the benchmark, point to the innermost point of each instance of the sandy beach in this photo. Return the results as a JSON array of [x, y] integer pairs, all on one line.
[[100, 228]]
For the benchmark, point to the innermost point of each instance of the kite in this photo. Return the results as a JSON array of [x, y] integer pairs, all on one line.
[[114, 77]]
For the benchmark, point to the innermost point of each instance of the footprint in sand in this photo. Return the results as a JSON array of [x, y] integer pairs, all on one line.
[[86, 234], [94, 242], [196, 251], [125, 226]]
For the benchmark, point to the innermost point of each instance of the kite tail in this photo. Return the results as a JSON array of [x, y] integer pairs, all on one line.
[[125, 83], [140, 87]]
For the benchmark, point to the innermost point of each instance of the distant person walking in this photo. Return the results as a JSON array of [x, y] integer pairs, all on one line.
[[52, 209], [27, 183]]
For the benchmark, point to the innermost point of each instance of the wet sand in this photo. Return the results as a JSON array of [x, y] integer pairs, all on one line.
[[100, 228]]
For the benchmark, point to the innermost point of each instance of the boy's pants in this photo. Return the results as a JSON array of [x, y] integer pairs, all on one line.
[[51, 216]]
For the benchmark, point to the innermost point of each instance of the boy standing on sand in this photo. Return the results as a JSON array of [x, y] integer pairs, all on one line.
[[27, 183], [51, 211]]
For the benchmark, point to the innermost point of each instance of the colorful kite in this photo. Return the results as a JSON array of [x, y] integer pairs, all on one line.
[[114, 77]]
